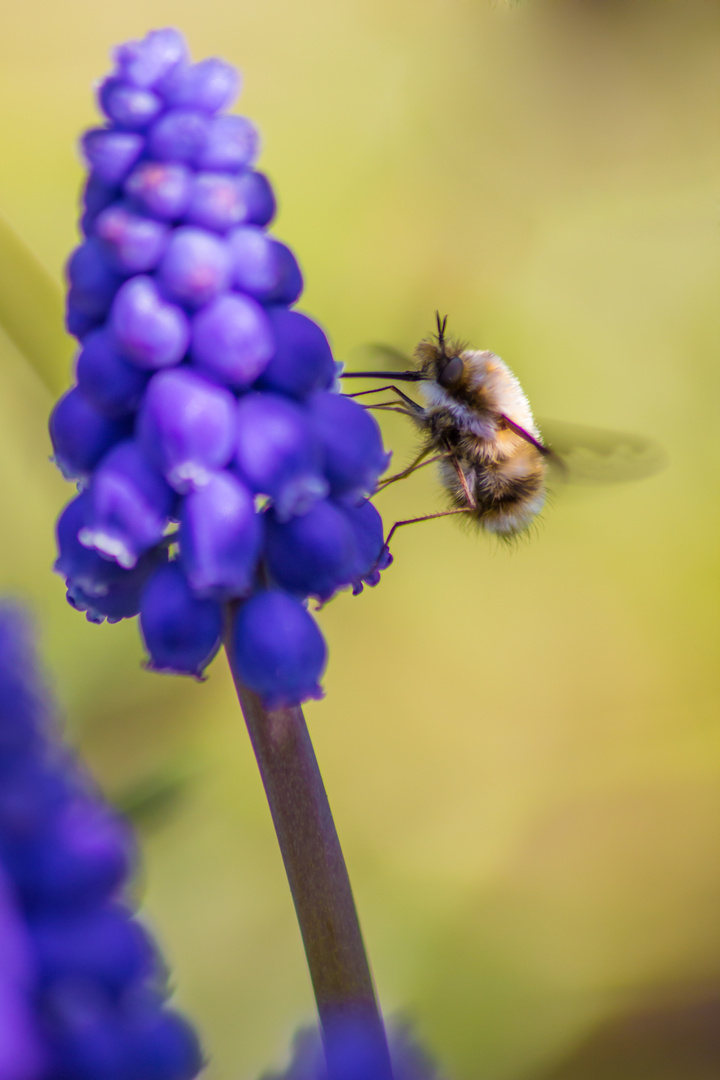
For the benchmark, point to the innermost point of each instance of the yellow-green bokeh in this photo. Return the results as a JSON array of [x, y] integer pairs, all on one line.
[[520, 746]]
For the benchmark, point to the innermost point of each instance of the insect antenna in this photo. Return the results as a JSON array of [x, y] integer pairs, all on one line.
[[406, 376], [441, 324]]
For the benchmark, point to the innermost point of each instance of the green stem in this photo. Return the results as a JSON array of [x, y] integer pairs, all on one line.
[[317, 876]]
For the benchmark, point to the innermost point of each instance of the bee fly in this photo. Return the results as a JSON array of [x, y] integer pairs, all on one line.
[[478, 427]]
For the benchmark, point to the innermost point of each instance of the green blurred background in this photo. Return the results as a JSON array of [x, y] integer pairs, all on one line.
[[521, 746]]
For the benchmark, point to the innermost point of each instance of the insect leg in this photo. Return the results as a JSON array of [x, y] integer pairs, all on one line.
[[418, 463], [463, 480], [408, 400], [388, 406], [425, 517]]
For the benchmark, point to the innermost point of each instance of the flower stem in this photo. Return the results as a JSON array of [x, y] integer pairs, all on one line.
[[318, 879]]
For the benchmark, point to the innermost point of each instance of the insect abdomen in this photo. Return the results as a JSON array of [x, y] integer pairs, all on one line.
[[507, 490]]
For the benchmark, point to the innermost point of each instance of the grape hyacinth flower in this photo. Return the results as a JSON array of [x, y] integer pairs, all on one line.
[[219, 468], [224, 481], [81, 979]]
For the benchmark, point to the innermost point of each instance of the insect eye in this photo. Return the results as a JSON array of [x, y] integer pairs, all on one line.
[[451, 373]]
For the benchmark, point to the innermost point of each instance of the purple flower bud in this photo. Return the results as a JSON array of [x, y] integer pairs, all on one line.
[[278, 649], [351, 440], [81, 435], [133, 243], [257, 197], [159, 188], [93, 281], [313, 554], [130, 107], [96, 197], [111, 154], [150, 332], [96, 585], [179, 135], [105, 946], [210, 85], [113, 597], [220, 537], [303, 361], [129, 506], [180, 631], [186, 427], [78, 324], [215, 202], [111, 384], [232, 340], [120, 600], [278, 453], [143, 63], [263, 267], [372, 555], [195, 268], [163, 1046], [232, 143]]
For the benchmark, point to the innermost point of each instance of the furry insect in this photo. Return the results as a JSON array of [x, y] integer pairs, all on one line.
[[478, 427]]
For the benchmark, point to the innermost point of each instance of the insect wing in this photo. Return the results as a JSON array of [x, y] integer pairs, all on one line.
[[588, 455], [380, 356]]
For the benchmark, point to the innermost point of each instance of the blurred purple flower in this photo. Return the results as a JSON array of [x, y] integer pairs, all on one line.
[[352, 1058], [80, 976]]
